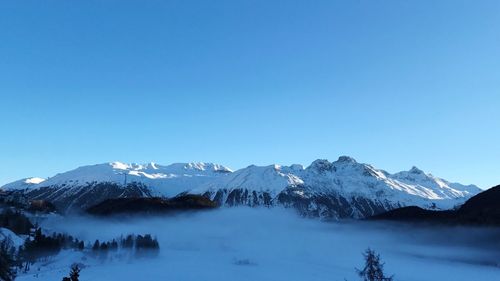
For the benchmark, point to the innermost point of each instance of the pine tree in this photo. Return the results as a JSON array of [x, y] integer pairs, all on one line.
[[38, 234], [374, 268], [128, 242], [104, 246], [113, 245], [81, 245], [96, 245], [74, 273], [7, 272]]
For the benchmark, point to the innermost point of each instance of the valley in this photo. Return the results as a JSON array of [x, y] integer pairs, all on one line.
[[273, 244]]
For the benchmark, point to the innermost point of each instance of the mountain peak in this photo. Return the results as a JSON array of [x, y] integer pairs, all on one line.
[[321, 165], [346, 159], [415, 170]]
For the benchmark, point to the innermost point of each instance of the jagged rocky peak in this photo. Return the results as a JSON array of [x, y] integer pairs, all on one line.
[[201, 166], [346, 159], [416, 171], [321, 165]]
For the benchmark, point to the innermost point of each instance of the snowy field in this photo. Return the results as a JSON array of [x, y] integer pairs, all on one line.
[[262, 244]]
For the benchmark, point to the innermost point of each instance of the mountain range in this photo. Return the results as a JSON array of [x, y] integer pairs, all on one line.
[[332, 190]]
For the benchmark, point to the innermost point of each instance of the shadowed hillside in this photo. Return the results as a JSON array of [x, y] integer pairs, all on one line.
[[482, 209], [151, 205]]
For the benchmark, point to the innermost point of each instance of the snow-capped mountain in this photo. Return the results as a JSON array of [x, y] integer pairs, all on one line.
[[344, 188], [163, 180]]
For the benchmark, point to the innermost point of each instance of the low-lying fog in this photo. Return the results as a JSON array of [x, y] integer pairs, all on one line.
[[262, 244]]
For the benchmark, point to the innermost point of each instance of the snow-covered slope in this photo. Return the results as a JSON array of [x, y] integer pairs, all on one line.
[[23, 184], [167, 180], [344, 188], [434, 187], [14, 240], [272, 179]]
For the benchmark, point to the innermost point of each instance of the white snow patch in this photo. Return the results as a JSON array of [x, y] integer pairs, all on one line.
[[34, 180]]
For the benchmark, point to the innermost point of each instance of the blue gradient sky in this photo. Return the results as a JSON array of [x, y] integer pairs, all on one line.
[[391, 83]]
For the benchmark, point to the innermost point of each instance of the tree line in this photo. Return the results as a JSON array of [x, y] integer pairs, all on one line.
[[131, 241], [39, 246]]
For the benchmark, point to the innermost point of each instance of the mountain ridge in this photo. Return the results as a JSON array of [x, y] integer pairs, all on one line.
[[349, 188]]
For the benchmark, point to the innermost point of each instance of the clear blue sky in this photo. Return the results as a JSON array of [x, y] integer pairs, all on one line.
[[391, 83]]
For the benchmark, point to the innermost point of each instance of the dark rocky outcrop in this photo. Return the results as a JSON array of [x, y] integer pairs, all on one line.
[[154, 205], [41, 206]]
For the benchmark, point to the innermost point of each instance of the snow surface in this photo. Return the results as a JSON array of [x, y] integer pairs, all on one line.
[[344, 176], [6, 233], [274, 244], [273, 179]]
